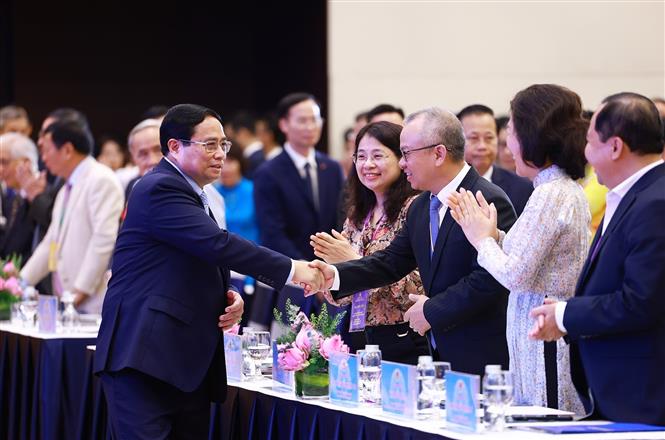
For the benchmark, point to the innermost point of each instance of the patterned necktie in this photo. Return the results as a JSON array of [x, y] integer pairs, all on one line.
[[204, 199], [434, 205]]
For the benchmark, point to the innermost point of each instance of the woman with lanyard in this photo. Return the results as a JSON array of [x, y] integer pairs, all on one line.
[[379, 198]]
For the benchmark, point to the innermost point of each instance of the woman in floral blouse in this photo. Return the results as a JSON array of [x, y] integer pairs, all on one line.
[[379, 198], [542, 255]]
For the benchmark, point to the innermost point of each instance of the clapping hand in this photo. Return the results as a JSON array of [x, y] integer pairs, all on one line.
[[476, 217], [32, 184], [333, 248], [545, 327]]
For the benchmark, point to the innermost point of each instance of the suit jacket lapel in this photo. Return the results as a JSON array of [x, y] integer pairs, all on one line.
[[594, 254], [446, 225], [74, 197], [291, 173]]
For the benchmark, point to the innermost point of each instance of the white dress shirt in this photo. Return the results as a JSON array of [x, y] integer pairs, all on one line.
[[441, 195]]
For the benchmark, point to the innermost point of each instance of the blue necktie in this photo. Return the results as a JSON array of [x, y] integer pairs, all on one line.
[[434, 205]]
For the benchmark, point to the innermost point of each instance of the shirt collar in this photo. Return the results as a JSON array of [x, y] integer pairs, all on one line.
[[195, 186], [453, 185], [252, 148], [300, 160], [80, 170], [488, 174], [625, 186]]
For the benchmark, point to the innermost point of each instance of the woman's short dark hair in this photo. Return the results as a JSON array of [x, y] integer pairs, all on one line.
[[634, 119], [548, 122], [361, 200], [180, 121]]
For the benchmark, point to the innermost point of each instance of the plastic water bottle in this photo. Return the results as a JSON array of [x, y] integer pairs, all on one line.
[[426, 374], [369, 369], [497, 390]]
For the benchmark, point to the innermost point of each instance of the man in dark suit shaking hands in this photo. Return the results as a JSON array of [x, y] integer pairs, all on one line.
[[616, 321], [465, 307], [159, 350]]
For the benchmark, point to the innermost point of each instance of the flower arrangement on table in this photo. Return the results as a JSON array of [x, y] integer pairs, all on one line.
[[10, 287], [306, 347]]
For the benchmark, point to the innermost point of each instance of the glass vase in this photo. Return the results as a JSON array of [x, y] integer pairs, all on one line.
[[5, 311], [312, 384]]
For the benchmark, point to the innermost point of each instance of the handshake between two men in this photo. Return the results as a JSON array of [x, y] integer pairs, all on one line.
[[317, 276], [314, 276]]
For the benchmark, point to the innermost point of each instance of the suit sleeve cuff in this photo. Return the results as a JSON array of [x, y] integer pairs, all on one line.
[[558, 315], [335, 284], [289, 279]]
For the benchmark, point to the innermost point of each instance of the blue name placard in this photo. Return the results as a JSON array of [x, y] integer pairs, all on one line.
[[343, 372], [281, 378], [47, 310], [398, 389], [462, 400], [233, 356]]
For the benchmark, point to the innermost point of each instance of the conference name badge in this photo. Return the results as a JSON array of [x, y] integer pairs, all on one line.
[[343, 372], [398, 389], [359, 311], [53, 256]]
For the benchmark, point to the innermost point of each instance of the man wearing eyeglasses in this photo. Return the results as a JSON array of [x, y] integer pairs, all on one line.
[[464, 310], [159, 349], [297, 192]]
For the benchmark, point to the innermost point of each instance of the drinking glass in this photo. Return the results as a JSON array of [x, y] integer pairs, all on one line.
[[498, 394], [440, 370], [257, 344], [28, 307]]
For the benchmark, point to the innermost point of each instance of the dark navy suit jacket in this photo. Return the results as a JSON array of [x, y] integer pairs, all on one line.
[[616, 321], [285, 212], [467, 306], [517, 188], [170, 276]]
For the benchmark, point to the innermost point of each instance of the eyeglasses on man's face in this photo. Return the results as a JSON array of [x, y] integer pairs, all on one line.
[[407, 153], [210, 147], [377, 158]]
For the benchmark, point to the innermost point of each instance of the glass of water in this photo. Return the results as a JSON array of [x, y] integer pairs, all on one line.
[[440, 370], [257, 344], [498, 390], [28, 307]]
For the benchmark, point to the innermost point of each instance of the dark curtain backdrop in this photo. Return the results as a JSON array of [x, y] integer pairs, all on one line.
[[112, 60]]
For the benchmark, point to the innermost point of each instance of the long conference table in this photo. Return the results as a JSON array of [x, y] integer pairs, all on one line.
[[48, 391]]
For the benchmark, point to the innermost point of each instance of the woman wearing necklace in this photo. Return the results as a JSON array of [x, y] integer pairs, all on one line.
[[542, 255], [379, 198]]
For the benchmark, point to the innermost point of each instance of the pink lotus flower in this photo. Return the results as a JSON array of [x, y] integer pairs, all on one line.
[[13, 286], [302, 340], [9, 268], [331, 345], [292, 359], [233, 330]]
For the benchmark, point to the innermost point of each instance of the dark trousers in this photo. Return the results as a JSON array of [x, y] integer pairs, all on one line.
[[142, 407], [397, 342]]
